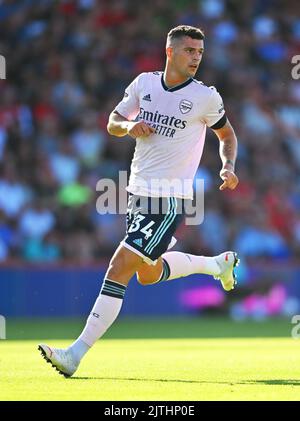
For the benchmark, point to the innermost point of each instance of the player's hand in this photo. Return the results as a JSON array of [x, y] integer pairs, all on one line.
[[229, 178], [139, 129]]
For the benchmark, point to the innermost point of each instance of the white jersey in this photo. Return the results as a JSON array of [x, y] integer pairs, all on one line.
[[165, 163]]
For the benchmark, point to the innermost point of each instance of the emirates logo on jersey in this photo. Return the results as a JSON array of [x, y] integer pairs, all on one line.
[[185, 106]]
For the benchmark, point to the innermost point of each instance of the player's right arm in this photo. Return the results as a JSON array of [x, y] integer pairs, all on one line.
[[119, 126], [121, 120]]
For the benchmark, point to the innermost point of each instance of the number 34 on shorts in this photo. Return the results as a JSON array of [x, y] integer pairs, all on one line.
[[136, 226], [149, 235]]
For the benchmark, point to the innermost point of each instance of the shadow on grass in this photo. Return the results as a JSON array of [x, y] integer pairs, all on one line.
[[135, 379], [276, 382]]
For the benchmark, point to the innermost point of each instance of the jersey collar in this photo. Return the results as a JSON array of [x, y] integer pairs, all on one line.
[[177, 87]]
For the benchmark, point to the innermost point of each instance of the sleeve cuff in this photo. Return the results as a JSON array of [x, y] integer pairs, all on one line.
[[220, 123]]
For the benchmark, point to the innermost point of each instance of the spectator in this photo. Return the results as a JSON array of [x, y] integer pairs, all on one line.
[[36, 221]]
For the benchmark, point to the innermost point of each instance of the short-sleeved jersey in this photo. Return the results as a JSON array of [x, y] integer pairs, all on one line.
[[165, 163]]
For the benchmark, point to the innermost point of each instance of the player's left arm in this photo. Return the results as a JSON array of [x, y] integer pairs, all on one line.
[[228, 153]]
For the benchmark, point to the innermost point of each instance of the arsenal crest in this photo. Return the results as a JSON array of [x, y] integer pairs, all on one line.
[[185, 106]]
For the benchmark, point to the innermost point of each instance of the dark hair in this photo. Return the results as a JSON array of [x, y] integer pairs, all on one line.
[[185, 31]]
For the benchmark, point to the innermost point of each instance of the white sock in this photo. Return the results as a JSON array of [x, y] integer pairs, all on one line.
[[103, 314], [177, 265], [79, 349]]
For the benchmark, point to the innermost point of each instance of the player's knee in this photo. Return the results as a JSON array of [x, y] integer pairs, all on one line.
[[149, 274], [145, 280], [122, 265], [119, 268]]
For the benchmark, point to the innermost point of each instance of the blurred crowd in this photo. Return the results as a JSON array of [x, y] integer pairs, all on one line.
[[68, 63]]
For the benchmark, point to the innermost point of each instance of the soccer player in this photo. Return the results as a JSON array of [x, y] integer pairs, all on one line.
[[167, 113]]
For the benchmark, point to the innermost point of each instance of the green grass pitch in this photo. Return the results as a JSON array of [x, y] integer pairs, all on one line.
[[164, 360]]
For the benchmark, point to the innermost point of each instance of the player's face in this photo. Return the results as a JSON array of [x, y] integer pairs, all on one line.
[[186, 55]]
